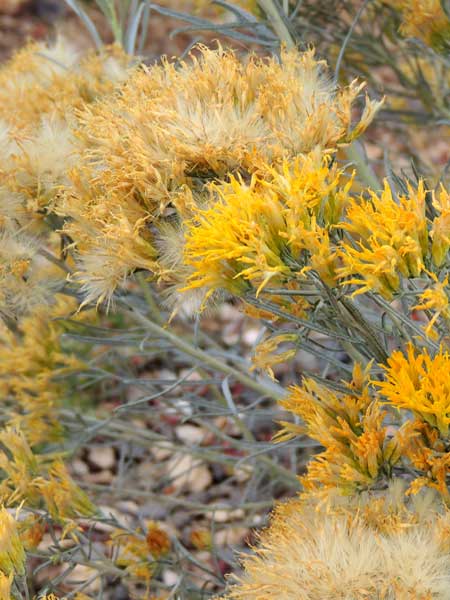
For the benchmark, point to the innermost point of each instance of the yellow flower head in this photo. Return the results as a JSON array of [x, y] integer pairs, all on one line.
[[435, 299], [237, 240], [266, 355], [12, 553], [63, 497], [262, 232], [6, 582], [358, 447], [426, 20], [389, 240], [418, 382]]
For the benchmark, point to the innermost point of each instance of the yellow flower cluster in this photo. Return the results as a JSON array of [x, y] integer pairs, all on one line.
[[39, 480], [420, 384], [425, 20], [138, 553], [390, 239], [149, 153], [359, 449], [417, 382], [364, 441], [31, 359], [393, 238], [301, 217], [270, 230]]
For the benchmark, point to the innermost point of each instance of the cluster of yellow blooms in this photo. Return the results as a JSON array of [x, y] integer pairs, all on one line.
[[392, 238], [280, 227], [425, 20], [42, 90], [149, 154], [223, 175], [269, 230], [356, 531], [362, 438], [351, 427]]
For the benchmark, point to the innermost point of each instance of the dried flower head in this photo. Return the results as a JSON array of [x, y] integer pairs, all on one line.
[[113, 239], [213, 116], [53, 79], [43, 163], [375, 548], [27, 280]]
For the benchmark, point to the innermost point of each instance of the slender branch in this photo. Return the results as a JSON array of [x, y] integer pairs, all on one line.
[[278, 24], [365, 172], [266, 388]]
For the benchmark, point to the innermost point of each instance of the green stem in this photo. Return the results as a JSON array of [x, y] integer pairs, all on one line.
[[363, 169], [109, 10], [176, 501], [268, 389], [150, 299], [277, 22]]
